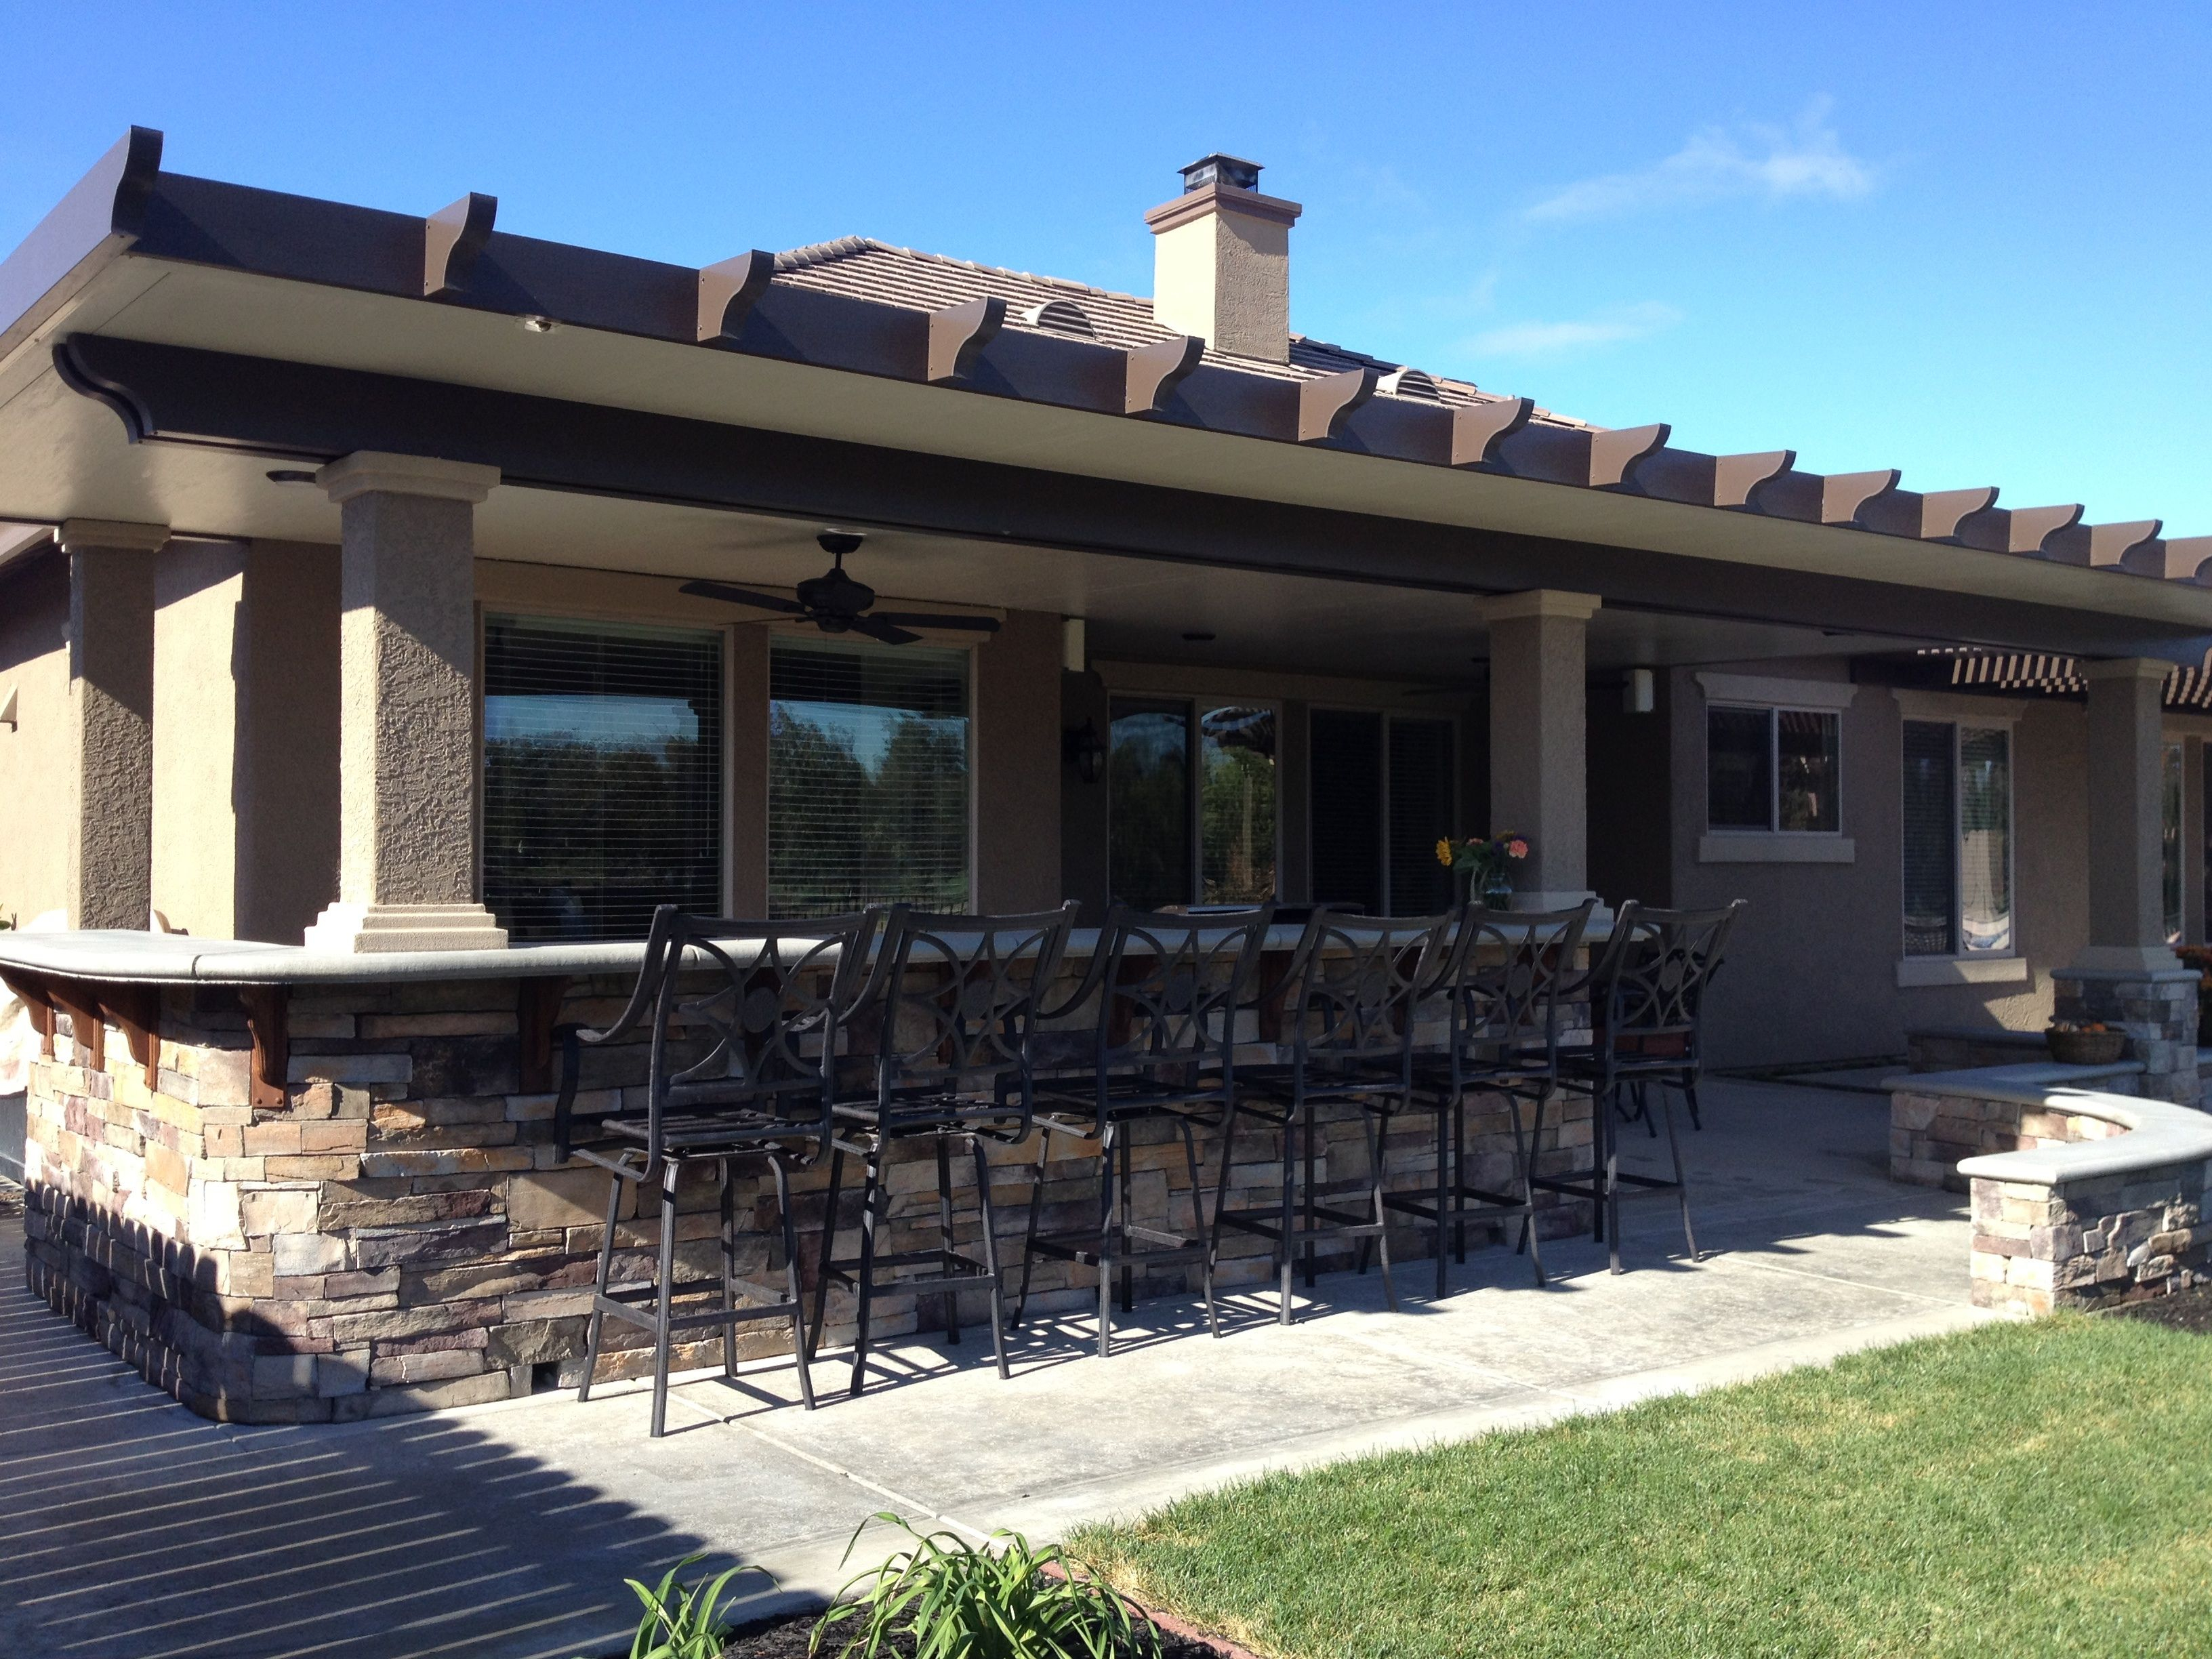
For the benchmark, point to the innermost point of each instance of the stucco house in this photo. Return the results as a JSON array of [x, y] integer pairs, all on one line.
[[349, 597]]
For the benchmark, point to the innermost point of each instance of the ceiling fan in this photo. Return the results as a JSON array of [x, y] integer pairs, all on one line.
[[835, 602]]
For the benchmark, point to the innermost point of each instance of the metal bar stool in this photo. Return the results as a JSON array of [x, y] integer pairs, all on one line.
[[1356, 986], [741, 1064], [1168, 987], [954, 1001], [1647, 996], [1505, 974]]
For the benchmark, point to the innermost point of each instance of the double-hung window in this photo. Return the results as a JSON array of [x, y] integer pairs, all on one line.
[[1957, 837], [868, 763]]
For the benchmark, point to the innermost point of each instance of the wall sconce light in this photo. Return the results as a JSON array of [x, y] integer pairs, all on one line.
[[1083, 748], [1636, 696]]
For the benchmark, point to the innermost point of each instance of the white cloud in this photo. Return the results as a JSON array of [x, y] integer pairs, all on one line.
[[1774, 163], [1560, 339]]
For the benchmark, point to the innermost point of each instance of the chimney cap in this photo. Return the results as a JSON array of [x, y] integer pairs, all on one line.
[[1231, 171]]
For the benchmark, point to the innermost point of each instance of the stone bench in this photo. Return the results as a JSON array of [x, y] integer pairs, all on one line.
[[1938, 1118], [2095, 1197]]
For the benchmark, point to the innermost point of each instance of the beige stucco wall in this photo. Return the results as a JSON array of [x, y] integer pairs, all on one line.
[[1016, 764], [34, 757], [1812, 973], [201, 682], [246, 738]]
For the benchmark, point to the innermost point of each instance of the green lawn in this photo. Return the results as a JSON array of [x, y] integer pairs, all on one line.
[[2019, 1490]]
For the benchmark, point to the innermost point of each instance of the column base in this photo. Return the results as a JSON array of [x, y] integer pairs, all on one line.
[[2147, 992], [367, 929]]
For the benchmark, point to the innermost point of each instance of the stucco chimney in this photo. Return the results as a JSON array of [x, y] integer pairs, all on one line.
[[1221, 264]]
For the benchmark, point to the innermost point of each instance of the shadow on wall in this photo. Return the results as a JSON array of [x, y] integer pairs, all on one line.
[[128, 1527]]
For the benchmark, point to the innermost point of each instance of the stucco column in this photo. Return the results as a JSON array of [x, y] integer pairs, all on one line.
[[1538, 738], [111, 746], [407, 865], [2127, 975]]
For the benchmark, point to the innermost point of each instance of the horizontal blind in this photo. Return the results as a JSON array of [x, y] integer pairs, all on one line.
[[1344, 781], [1930, 837], [1421, 814], [603, 775], [868, 762], [1986, 839]]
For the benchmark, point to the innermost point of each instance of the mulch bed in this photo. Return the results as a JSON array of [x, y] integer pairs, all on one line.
[[786, 1638], [2185, 1310]]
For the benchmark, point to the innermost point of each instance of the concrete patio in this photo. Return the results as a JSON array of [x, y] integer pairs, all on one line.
[[129, 1527]]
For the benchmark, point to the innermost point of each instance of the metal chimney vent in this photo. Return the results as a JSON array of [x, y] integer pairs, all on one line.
[[1228, 171]]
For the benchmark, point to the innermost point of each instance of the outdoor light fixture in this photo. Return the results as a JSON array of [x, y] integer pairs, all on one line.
[[537, 324], [1636, 694], [1082, 748], [290, 474]]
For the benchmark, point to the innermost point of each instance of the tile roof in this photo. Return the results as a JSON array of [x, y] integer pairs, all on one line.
[[861, 268]]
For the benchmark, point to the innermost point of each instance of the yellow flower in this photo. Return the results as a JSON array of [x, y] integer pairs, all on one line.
[[1443, 853]]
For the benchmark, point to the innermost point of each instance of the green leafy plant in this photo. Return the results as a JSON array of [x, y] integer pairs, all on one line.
[[1003, 1599], [684, 1621]]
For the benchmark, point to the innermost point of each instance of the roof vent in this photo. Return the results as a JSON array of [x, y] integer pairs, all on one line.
[[1228, 170], [1411, 383], [1063, 314]]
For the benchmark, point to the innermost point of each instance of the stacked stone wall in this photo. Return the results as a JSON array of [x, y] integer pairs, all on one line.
[[395, 1234]]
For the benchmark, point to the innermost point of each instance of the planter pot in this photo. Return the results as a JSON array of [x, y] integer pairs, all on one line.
[[2086, 1048]]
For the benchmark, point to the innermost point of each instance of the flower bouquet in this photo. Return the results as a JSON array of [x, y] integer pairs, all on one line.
[[1485, 864]]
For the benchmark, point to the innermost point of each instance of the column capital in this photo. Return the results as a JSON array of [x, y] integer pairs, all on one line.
[[371, 470], [1540, 602], [77, 534], [2124, 668]]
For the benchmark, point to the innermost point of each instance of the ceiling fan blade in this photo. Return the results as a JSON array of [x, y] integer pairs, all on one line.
[[744, 596], [880, 627], [915, 619]]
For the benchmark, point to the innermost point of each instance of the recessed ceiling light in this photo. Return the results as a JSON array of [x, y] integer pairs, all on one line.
[[1199, 639], [290, 474], [537, 324]]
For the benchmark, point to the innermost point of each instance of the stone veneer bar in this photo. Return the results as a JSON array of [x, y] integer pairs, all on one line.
[[289, 1187]]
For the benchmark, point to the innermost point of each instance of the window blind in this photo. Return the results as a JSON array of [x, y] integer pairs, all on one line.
[[1739, 768], [1345, 764], [1930, 840], [603, 775], [1986, 839], [1421, 787], [868, 762]]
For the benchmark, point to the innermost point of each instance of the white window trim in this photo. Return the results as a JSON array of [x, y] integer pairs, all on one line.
[[1960, 709], [1965, 966], [1776, 693]]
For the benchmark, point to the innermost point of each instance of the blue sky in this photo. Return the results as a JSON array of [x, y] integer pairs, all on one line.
[[1968, 240]]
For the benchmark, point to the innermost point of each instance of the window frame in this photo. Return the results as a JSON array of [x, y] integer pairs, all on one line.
[[805, 633], [1960, 722], [1388, 713], [1193, 704], [1773, 711]]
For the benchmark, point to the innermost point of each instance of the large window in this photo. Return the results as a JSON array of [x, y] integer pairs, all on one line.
[[1383, 788], [868, 758], [603, 775], [1773, 769], [1958, 840], [1193, 803]]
